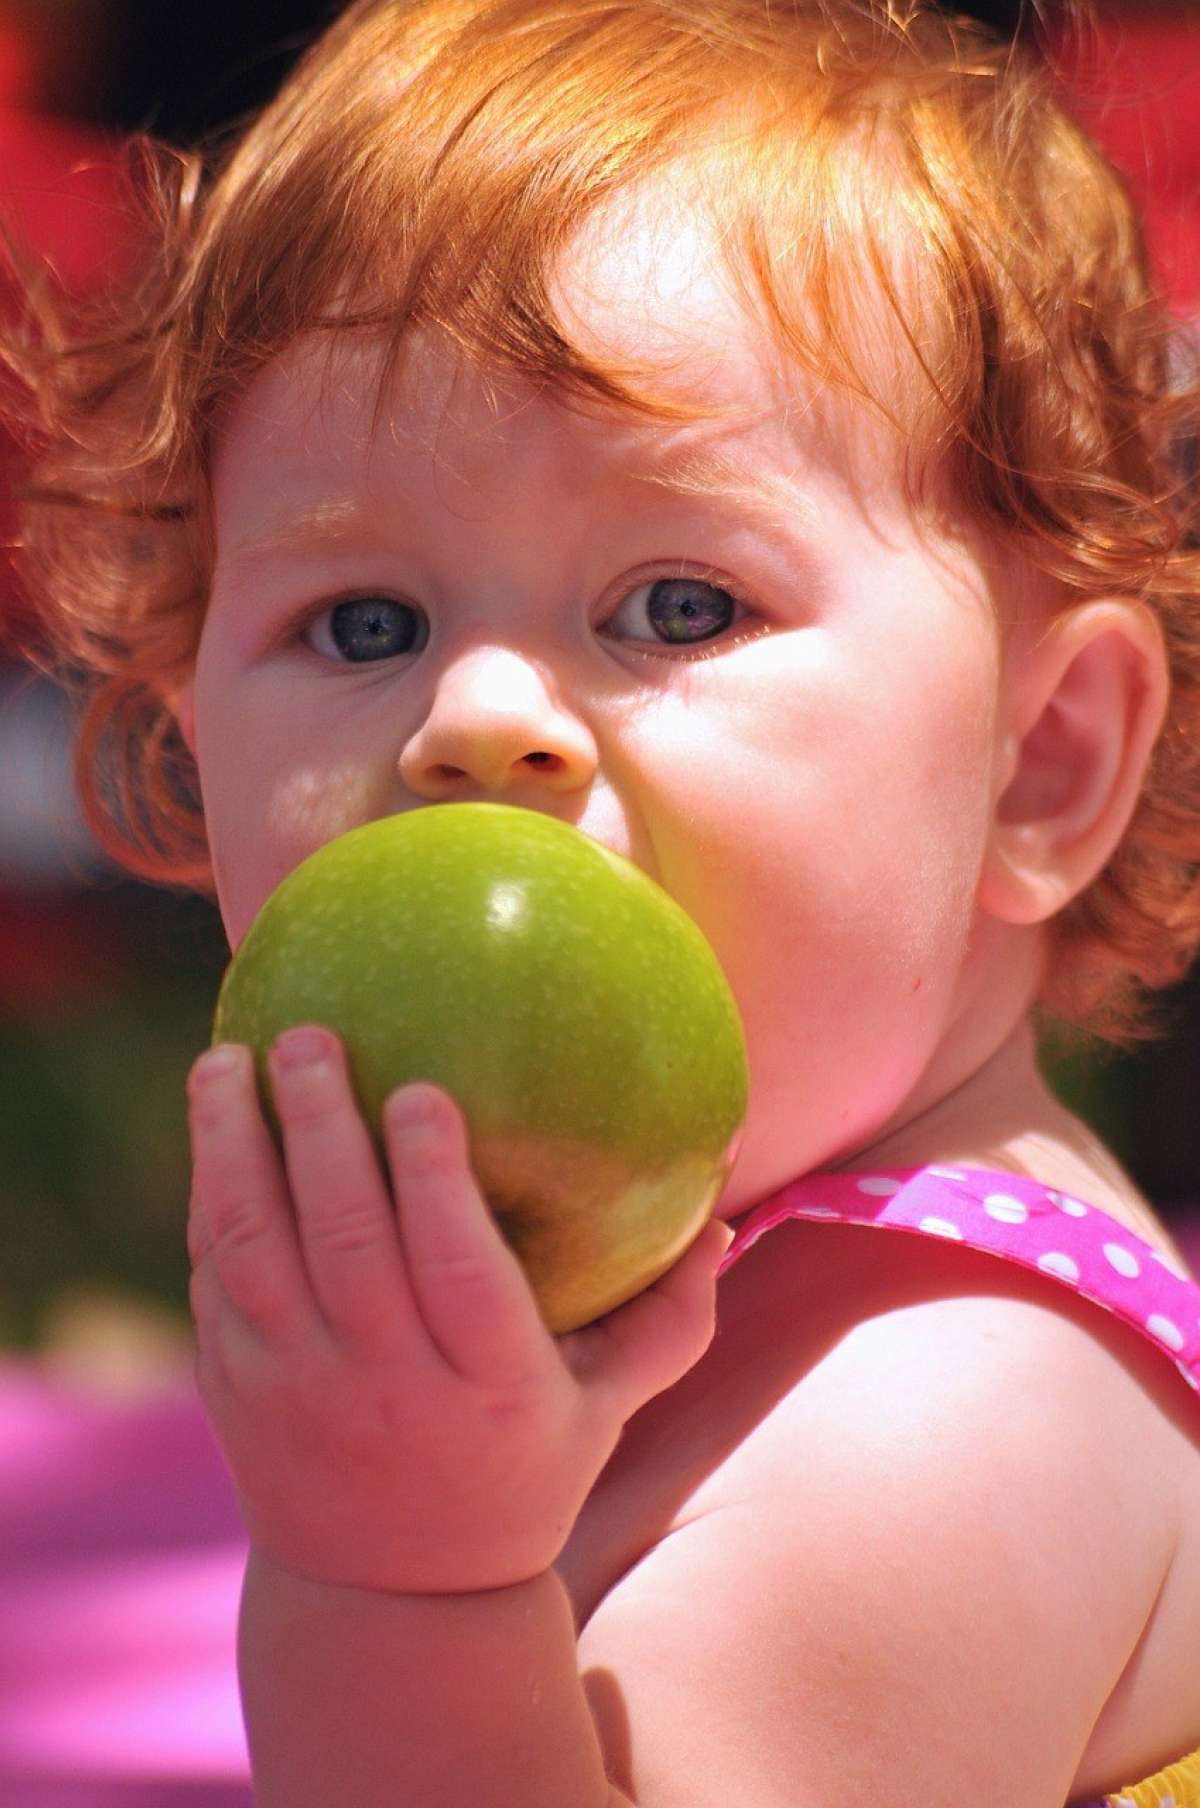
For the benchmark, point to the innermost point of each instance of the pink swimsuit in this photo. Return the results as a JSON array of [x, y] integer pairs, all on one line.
[[1054, 1234], [1020, 1220]]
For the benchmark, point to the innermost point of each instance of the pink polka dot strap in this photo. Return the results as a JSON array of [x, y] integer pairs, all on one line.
[[1020, 1220]]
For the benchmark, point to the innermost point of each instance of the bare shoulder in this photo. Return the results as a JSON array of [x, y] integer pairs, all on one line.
[[927, 1555]]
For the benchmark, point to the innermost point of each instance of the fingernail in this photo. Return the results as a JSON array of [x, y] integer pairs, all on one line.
[[303, 1047], [412, 1109], [216, 1062]]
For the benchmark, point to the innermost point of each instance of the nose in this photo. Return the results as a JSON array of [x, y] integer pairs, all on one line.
[[494, 726]]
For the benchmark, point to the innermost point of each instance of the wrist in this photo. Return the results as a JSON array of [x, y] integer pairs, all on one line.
[[269, 1575]]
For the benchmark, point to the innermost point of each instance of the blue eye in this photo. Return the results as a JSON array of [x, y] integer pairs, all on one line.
[[683, 611], [364, 628]]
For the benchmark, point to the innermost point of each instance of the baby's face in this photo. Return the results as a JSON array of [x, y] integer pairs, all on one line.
[[769, 691]]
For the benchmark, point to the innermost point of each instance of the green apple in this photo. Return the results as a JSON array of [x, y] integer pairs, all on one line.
[[574, 1011]]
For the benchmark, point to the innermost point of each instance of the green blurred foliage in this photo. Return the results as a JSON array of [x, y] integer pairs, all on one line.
[[1099, 1084], [93, 1134]]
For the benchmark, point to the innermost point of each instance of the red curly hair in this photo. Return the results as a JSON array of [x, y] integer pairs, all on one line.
[[432, 157]]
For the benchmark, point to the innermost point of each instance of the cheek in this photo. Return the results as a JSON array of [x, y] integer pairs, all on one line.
[[835, 871], [272, 796], [910, 863], [308, 802], [260, 832]]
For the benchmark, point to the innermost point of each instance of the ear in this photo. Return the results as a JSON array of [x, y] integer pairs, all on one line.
[[1082, 708], [181, 701]]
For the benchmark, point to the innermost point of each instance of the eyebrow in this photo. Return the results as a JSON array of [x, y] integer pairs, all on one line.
[[695, 469], [298, 529], [682, 468]]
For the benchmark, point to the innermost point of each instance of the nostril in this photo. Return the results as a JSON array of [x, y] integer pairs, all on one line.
[[542, 759]]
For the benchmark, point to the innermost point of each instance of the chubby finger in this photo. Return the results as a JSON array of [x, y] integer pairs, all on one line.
[[470, 1288], [647, 1345], [240, 1233], [344, 1211]]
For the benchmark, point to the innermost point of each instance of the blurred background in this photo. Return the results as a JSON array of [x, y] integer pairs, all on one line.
[[107, 986]]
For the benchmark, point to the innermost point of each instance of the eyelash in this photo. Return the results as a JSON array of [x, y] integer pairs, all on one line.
[[735, 635]]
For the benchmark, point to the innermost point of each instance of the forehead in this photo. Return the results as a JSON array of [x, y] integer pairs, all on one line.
[[305, 446], [304, 443]]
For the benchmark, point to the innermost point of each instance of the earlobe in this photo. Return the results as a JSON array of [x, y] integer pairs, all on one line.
[[182, 704], [1082, 711]]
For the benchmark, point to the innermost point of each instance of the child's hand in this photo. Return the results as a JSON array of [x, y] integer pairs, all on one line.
[[394, 1411]]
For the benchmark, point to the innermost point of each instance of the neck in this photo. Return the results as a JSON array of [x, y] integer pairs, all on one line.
[[1001, 1101], [1005, 1118]]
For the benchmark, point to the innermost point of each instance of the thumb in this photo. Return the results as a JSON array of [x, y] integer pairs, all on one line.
[[650, 1343]]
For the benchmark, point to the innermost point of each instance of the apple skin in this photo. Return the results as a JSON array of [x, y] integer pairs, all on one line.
[[570, 1006]]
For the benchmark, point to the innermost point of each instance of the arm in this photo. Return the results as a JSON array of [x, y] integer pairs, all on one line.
[[352, 1695]]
